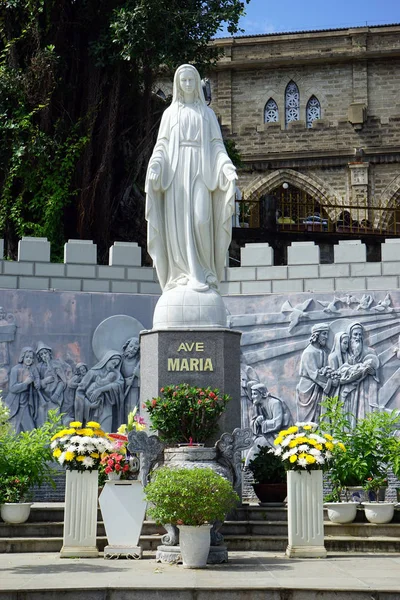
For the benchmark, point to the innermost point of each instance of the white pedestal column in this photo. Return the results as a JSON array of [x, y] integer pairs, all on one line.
[[305, 515], [123, 507], [80, 515]]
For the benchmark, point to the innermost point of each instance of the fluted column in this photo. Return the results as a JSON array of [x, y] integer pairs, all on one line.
[[305, 515], [80, 515]]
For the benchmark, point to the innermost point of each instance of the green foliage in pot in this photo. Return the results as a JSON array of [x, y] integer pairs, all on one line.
[[372, 447], [185, 413], [189, 496], [26, 458], [266, 467]]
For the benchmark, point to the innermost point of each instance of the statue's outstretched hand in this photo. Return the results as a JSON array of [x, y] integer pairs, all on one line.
[[154, 171], [229, 171]]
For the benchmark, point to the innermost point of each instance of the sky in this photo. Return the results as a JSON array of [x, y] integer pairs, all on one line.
[[272, 16]]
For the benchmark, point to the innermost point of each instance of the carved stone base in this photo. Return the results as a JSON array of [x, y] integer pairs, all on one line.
[[129, 552], [172, 554]]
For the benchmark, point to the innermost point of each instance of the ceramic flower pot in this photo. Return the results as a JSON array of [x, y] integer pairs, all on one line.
[[270, 492], [379, 512], [14, 513], [341, 512], [114, 476], [195, 545]]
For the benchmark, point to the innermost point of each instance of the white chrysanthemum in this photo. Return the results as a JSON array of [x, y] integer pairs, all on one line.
[[302, 462], [300, 423], [278, 451], [76, 439], [65, 438], [303, 448], [285, 455], [286, 441], [61, 458], [315, 452], [54, 444], [292, 451], [320, 460], [71, 448], [328, 454], [317, 438], [88, 461]]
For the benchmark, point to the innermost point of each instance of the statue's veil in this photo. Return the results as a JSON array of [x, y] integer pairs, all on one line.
[[177, 95]]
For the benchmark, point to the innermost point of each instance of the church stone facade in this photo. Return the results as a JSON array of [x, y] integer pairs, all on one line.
[[319, 111]]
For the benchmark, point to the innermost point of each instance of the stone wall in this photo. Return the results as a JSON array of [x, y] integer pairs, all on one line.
[[256, 274]]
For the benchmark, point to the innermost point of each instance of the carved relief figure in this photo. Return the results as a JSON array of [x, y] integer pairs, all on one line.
[[358, 377], [130, 370], [248, 377], [24, 392], [190, 188], [100, 395], [54, 375], [315, 375], [69, 404], [7, 335], [272, 415]]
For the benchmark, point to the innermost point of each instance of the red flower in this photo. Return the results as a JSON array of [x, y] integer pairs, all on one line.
[[202, 394], [154, 402], [199, 402], [108, 470], [125, 468], [117, 467], [212, 395]]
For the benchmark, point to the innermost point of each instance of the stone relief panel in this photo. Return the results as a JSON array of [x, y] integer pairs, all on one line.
[[301, 348], [75, 361]]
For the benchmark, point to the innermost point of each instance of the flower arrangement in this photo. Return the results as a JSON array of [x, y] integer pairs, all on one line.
[[80, 448], [120, 461], [185, 413], [115, 463], [304, 447]]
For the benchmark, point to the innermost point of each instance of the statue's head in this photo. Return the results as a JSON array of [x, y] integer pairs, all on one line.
[[81, 369], [187, 80], [131, 347], [259, 392], [27, 356], [43, 352], [319, 334]]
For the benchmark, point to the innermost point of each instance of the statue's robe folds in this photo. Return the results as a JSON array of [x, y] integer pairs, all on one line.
[[312, 386], [189, 207]]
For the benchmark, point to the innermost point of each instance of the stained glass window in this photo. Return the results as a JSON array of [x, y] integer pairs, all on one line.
[[292, 103], [313, 111], [271, 113]]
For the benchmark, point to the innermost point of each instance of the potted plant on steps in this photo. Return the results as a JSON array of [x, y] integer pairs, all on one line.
[[25, 462], [191, 499], [376, 511], [269, 476]]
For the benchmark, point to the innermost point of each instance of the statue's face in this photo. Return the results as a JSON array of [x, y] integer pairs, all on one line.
[[187, 81], [323, 337], [357, 334], [44, 355], [132, 348], [82, 370], [256, 397], [113, 363], [344, 343], [28, 358]]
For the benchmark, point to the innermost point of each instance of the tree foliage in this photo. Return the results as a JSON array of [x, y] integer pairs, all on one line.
[[78, 116]]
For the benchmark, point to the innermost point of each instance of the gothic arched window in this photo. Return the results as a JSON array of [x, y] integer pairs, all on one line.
[[313, 111], [292, 103], [271, 112]]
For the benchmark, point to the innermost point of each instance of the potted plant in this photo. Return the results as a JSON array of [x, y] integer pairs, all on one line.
[[376, 511], [25, 462], [269, 476], [192, 499], [305, 452], [186, 414], [372, 448]]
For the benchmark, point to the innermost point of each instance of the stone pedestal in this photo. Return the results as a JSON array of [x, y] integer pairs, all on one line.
[[172, 555], [80, 515], [305, 515], [199, 357]]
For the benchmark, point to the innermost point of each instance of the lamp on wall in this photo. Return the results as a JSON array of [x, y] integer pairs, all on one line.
[[285, 185]]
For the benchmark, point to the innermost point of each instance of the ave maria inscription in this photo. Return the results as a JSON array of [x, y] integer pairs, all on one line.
[[190, 363]]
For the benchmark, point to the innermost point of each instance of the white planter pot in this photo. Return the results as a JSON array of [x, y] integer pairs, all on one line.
[[14, 513], [379, 512], [305, 515], [80, 515], [341, 512], [114, 476], [195, 545], [123, 507]]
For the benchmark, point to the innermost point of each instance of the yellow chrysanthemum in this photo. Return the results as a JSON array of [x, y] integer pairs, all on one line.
[[94, 425], [310, 459], [95, 455], [329, 445], [293, 444], [328, 436], [69, 456], [80, 458], [55, 436], [278, 441], [293, 458], [302, 455], [293, 429], [318, 446], [57, 453], [89, 432], [312, 442], [75, 424], [283, 433], [342, 446], [307, 427]]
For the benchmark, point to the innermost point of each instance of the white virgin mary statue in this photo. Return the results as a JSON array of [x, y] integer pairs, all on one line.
[[190, 189]]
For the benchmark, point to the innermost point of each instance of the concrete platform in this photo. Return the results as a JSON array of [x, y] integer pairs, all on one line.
[[248, 575]]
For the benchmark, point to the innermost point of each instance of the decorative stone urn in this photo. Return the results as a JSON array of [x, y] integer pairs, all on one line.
[[305, 515]]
